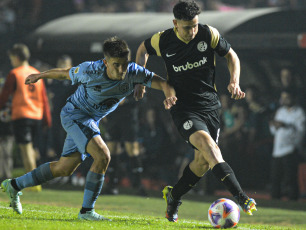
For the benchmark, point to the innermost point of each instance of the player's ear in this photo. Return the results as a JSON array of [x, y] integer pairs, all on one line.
[[175, 23], [105, 62]]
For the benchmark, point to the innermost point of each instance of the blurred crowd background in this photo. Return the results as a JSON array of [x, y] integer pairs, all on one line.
[[245, 139]]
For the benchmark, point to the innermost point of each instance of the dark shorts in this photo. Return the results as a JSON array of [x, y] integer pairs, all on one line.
[[25, 130], [188, 122]]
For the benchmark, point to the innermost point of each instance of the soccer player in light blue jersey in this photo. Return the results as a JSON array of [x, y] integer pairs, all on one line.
[[102, 85]]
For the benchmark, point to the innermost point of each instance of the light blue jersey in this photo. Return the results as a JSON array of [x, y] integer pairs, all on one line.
[[98, 95], [95, 97]]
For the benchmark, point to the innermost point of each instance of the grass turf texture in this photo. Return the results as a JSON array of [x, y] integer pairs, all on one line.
[[51, 209]]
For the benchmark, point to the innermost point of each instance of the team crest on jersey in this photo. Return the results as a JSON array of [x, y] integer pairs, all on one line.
[[202, 46], [124, 87], [76, 70], [188, 124]]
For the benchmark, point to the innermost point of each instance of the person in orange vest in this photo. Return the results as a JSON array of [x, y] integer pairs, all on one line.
[[30, 104]]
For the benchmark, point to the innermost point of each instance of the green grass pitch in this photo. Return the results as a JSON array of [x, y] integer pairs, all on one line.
[[51, 209]]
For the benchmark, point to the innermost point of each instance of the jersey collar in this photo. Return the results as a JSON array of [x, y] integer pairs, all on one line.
[[178, 36]]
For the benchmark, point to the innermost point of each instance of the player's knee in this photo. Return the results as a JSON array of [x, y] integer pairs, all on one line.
[[102, 156], [207, 144]]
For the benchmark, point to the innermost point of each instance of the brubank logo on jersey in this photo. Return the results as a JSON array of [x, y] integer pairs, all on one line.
[[190, 65]]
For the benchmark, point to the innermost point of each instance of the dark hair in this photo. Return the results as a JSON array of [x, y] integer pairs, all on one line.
[[116, 47], [21, 51], [186, 10]]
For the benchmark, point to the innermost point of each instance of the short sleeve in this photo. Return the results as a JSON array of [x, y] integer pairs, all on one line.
[[152, 44], [223, 47], [141, 75], [218, 43], [77, 73]]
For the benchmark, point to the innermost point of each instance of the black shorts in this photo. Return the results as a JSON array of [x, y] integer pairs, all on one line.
[[25, 130], [188, 122]]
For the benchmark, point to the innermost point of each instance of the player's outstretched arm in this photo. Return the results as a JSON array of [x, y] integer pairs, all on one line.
[[141, 59], [161, 84], [58, 74], [233, 65]]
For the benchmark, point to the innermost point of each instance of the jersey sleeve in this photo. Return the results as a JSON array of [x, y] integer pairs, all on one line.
[[152, 44], [141, 75], [77, 73], [218, 43]]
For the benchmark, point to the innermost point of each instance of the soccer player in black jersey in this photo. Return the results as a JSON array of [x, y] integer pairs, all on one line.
[[188, 51]]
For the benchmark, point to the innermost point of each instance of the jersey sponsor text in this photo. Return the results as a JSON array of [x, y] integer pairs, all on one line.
[[189, 65]]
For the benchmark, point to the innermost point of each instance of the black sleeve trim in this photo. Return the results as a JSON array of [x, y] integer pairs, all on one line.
[[223, 47]]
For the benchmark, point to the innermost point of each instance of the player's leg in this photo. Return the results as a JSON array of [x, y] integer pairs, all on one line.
[[6, 156], [188, 180], [28, 156], [95, 178], [222, 171], [133, 150], [43, 173], [25, 130]]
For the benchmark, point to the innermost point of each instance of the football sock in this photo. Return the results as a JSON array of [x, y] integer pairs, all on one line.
[[13, 183], [37, 176], [137, 169], [84, 210], [225, 174], [93, 187], [185, 183]]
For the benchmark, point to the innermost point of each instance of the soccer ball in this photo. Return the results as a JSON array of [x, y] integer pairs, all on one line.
[[223, 213]]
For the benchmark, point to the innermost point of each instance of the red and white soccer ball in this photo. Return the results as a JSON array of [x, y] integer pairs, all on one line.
[[224, 213]]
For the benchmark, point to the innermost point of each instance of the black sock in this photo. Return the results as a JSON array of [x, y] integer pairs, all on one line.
[[185, 183], [225, 174], [14, 184], [84, 210]]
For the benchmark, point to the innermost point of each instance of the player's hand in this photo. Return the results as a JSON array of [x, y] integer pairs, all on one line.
[[169, 102], [139, 91], [32, 78], [235, 91]]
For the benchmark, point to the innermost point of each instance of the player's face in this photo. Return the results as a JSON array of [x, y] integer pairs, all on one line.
[[187, 30], [116, 67], [14, 60]]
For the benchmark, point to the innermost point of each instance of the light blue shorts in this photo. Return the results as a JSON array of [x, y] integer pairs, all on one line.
[[80, 128]]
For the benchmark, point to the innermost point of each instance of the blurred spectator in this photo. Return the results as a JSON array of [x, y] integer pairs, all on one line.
[[288, 80], [6, 139], [29, 104], [121, 136], [288, 128], [7, 19], [259, 140]]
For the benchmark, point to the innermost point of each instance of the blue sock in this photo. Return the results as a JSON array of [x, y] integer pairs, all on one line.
[[93, 187], [37, 176]]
